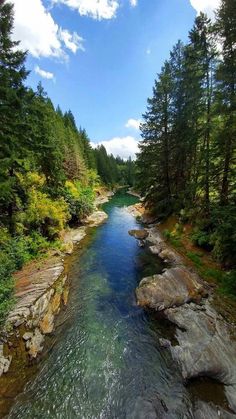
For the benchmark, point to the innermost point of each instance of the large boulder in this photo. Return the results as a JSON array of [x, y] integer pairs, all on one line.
[[96, 218], [205, 346], [209, 411], [139, 234], [172, 288]]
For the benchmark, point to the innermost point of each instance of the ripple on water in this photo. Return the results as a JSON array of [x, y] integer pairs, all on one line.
[[106, 362]]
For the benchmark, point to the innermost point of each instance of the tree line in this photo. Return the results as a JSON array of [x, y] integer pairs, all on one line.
[[189, 135], [49, 173]]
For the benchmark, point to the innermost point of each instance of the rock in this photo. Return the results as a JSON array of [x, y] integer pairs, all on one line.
[[40, 307], [35, 344], [136, 210], [96, 218], [19, 322], [5, 361], [209, 411], [174, 287], [148, 409], [46, 325], [139, 234], [27, 336], [205, 346], [164, 343]]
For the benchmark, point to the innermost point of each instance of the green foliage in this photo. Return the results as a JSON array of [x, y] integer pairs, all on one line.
[[173, 238], [219, 234], [113, 170], [195, 258], [45, 215], [80, 201], [188, 136], [201, 238], [228, 284], [223, 237], [41, 149]]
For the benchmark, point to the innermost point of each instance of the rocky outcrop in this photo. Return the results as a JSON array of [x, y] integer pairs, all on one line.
[[205, 344], [96, 218], [174, 287], [136, 210], [209, 411], [34, 342], [72, 237], [158, 246], [139, 234]]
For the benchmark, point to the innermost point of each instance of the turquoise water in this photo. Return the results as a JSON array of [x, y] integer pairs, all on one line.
[[106, 361]]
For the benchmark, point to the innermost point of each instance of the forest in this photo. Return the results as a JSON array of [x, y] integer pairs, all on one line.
[[189, 138], [49, 173]]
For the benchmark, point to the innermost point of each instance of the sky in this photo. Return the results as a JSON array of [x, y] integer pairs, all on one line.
[[99, 58]]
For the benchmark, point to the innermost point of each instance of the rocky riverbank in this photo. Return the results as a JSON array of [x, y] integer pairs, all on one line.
[[41, 291], [204, 344]]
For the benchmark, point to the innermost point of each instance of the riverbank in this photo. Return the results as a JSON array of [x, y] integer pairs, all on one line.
[[41, 291], [204, 342]]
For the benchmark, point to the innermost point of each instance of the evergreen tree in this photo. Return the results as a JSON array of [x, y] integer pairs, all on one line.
[[13, 127], [226, 76]]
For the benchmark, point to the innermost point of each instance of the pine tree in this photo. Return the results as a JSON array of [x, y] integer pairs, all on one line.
[[13, 127], [154, 160], [226, 27]]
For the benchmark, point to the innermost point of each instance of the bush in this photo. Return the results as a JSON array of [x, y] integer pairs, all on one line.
[[202, 239], [6, 283], [45, 215], [14, 253], [228, 284], [173, 237], [80, 200]]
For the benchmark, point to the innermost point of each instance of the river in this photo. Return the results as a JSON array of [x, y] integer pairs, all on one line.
[[106, 361]]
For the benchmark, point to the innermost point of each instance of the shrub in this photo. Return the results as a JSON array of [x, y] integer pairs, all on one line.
[[202, 238], [6, 283], [228, 284], [80, 200], [45, 215]]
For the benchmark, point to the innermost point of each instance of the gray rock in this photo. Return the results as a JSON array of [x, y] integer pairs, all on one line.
[[139, 234], [96, 218], [5, 361], [28, 335], [34, 345], [205, 346], [174, 287], [209, 411]]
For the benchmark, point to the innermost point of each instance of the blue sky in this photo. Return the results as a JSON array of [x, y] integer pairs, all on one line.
[[99, 58]]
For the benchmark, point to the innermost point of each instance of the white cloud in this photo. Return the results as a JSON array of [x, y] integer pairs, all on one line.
[[39, 33], [206, 6], [43, 73], [124, 147], [72, 41], [133, 123], [97, 9], [133, 3], [148, 51]]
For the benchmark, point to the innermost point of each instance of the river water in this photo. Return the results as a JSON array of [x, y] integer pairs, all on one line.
[[106, 361]]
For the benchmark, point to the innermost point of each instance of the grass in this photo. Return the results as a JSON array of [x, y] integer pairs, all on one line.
[[203, 263]]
